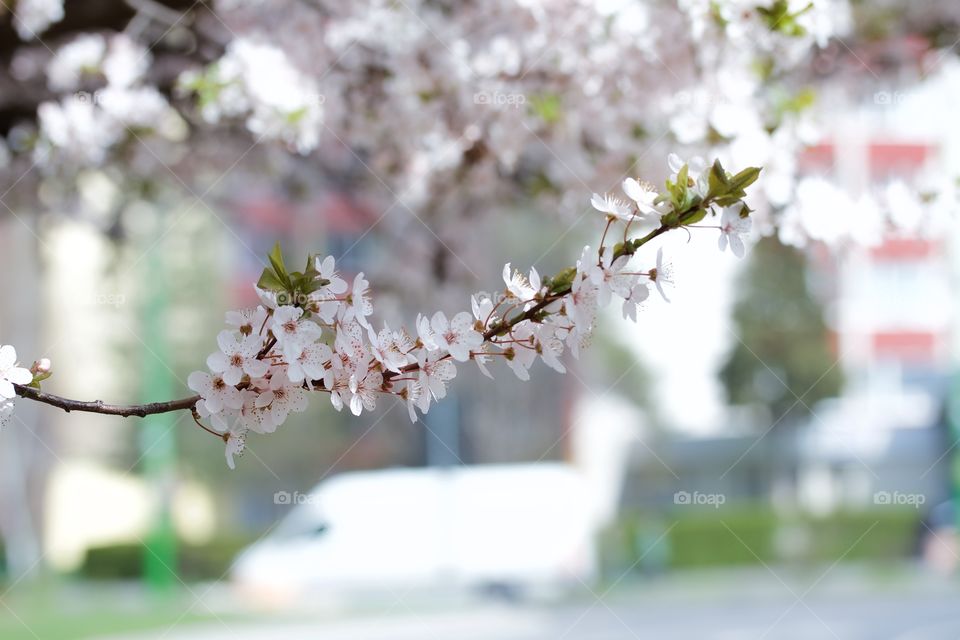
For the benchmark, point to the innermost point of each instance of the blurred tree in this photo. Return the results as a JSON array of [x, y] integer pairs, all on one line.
[[782, 359]]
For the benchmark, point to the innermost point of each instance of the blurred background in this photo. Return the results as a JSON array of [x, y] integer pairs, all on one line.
[[773, 454]]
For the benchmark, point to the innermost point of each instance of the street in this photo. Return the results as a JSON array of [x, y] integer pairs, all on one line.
[[723, 606]]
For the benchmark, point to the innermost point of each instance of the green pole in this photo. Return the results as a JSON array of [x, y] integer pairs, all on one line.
[[953, 421], [158, 435], [953, 426]]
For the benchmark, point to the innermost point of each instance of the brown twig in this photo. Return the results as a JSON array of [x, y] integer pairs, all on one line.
[[99, 406]]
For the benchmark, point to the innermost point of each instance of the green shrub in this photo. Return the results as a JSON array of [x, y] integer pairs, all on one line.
[[874, 535], [709, 538], [114, 562], [195, 562], [754, 534]]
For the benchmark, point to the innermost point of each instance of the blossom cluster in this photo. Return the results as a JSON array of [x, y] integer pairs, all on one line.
[[484, 87], [313, 330], [256, 79], [33, 17], [493, 97], [83, 126]]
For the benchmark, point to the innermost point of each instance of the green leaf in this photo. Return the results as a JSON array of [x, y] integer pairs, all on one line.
[[311, 268], [678, 190], [745, 178], [314, 285], [727, 200], [695, 216], [269, 281], [683, 178], [563, 279], [779, 18], [719, 184], [672, 219], [276, 261], [547, 106]]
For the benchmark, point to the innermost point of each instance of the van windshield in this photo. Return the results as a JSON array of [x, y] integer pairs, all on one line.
[[301, 523]]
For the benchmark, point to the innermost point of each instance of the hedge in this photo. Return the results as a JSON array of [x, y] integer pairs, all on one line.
[[195, 562], [751, 535]]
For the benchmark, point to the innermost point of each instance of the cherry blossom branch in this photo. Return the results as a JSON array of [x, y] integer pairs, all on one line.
[[312, 333]]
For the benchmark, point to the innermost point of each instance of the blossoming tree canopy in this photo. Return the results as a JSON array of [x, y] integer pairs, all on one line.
[[496, 100], [313, 330]]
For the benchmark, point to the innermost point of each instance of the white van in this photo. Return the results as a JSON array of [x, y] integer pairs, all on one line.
[[503, 527]]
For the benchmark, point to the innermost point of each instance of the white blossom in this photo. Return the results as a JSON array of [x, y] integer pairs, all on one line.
[[254, 417], [237, 356], [292, 331], [257, 79], [436, 371], [413, 395], [357, 305], [426, 333], [732, 226], [327, 269], [215, 393], [521, 355], [77, 129], [236, 444], [457, 336], [33, 17], [337, 382], [391, 348], [549, 347], [520, 286], [352, 353], [326, 299], [632, 302], [482, 360], [126, 61], [483, 309], [10, 373], [608, 278], [248, 321], [365, 392], [80, 57], [581, 304], [644, 195], [282, 397], [661, 274], [612, 207], [267, 298], [310, 364]]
